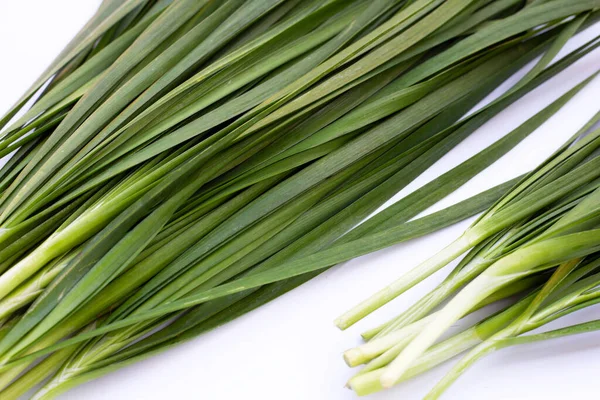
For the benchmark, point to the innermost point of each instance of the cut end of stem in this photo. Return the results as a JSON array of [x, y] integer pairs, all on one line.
[[370, 334], [353, 357], [341, 323], [365, 384]]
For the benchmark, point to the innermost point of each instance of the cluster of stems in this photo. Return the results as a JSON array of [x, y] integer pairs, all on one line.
[[186, 161]]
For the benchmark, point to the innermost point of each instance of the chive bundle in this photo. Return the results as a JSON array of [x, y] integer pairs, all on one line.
[[186, 161], [539, 240]]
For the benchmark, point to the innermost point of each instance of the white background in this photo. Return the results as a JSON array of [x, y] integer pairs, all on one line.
[[289, 349]]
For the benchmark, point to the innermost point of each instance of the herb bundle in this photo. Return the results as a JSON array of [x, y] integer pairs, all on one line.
[[186, 161], [539, 240]]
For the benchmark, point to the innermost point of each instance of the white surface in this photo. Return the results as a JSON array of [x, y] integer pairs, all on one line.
[[289, 349]]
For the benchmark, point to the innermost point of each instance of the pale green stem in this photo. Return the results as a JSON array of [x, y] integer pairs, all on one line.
[[436, 296], [74, 367], [370, 382], [520, 263], [480, 351], [41, 371], [517, 327], [60, 242], [393, 351], [30, 290], [366, 352], [414, 276], [461, 275], [477, 290]]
